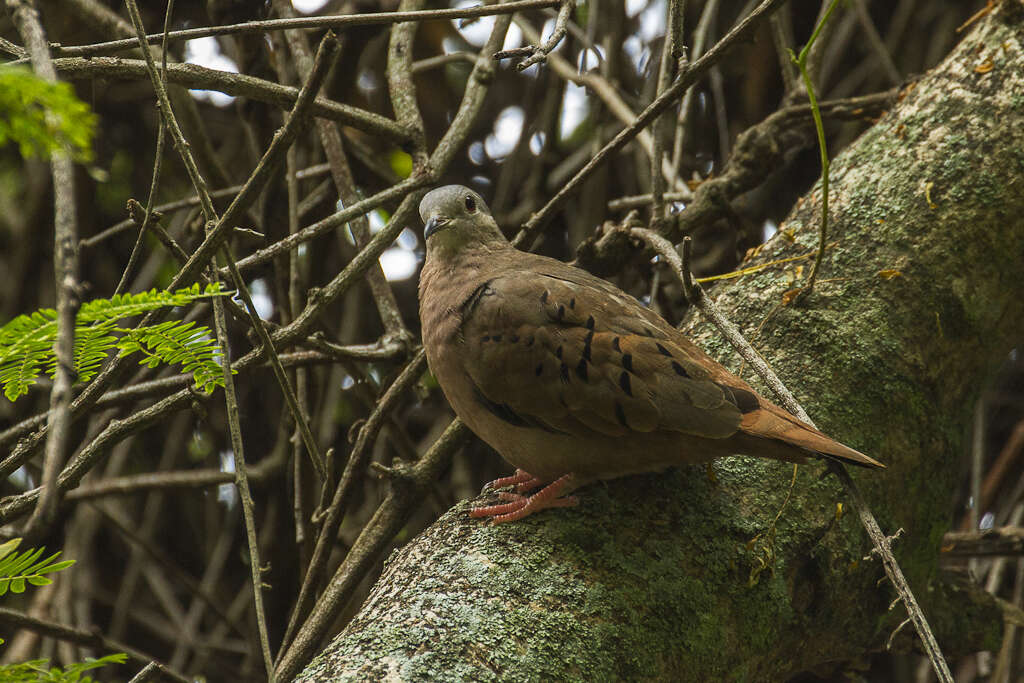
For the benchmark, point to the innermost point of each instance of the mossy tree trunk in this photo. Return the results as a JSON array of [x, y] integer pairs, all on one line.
[[651, 576]]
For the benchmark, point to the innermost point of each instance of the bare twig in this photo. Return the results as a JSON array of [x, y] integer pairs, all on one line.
[[660, 104], [158, 162], [336, 22], [666, 71], [65, 270], [539, 53], [239, 85], [87, 638]]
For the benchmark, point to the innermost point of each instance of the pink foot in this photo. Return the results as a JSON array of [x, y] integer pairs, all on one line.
[[519, 506], [522, 480]]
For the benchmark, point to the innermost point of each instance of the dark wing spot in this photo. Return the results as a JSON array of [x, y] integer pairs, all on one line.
[[561, 312], [581, 369], [529, 340], [745, 400], [544, 297], [572, 303], [680, 370], [467, 306], [586, 344], [590, 322], [539, 370], [513, 338], [496, 337], [664, 351], [505, 413], [564, 371], [615, 345], [624, 383], [486, 338], [627, 361], [558, 352], [621, 415]]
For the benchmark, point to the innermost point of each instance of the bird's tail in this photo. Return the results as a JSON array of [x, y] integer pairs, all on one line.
[[771, 423]]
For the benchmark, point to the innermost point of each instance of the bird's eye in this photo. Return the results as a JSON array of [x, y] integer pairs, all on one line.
[[470, 203]]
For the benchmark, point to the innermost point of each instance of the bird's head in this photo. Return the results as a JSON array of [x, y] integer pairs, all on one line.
[[456, 217]]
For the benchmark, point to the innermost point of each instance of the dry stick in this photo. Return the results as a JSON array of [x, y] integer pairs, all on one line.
[[539, 53], [240, 85], [65, 267], [296, 288], [409, 484], [660, 104], [172, 246], [876, 43], [121, 226], [157, 166], [277, 148], [242, 484], [312, 630], [601, 88], [80, 636], [696, 296], [257, 180], [133, 258], [700, 38], [673, 29], [341, 173], [337, 22], [355, 465]]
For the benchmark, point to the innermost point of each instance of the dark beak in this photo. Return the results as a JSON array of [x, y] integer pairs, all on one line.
[[434, 223]]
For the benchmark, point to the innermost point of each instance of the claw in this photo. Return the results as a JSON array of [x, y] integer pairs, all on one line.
[[519, 506]]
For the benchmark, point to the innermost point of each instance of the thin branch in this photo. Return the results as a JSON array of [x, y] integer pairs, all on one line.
[[669, 60], [355, 466], [336, 22], [539, 53], [157, 166], [700, 39], [407, 490], [80, 636], [341, 173], [660, 104], [237, 85], [65, 270]]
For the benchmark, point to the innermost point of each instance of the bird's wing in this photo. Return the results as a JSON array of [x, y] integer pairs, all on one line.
[[551, 347]]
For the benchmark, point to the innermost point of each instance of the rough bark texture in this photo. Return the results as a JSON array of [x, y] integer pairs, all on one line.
[[650, 577]]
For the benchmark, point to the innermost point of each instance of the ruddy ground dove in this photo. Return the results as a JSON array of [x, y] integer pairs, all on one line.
[[571, 379]]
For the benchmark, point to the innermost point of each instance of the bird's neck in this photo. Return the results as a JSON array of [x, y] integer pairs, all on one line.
[[449, 277]]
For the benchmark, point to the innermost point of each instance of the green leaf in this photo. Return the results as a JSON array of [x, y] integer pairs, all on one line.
[[42, 118], [26, 342]]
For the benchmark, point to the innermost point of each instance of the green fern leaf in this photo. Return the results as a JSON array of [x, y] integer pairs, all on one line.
[[26, 342]]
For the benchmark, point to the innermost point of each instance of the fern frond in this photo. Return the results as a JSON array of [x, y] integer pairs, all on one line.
[[19, 569], [26, 342], [178, 343], [36, 670], [128, 305]]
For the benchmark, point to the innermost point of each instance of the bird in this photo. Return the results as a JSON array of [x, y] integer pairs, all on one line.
[[572, 380]]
